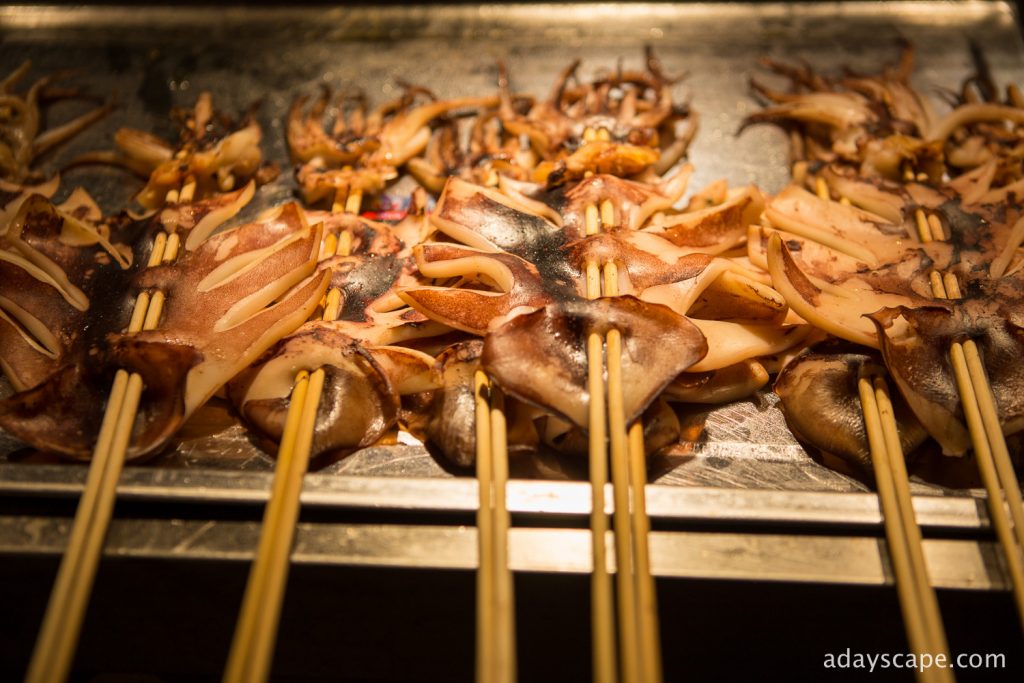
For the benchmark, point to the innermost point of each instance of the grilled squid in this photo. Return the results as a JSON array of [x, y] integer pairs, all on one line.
[[821, 402], [227, 301], [54, 262], [877, 124], [488, 153], [624, 123], [362, 151], [213, 151], [541, 357], [360, 400], [867, 280]]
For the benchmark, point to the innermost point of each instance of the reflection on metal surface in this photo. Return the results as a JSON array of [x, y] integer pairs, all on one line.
[[670, 503], [766, 557]]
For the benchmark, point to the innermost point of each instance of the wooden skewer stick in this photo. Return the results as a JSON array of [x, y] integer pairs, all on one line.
[[486, 620], [639, 646], [354, 201], [929, 604], [629, 646], [602, 611], [65, 612], [918, 603], [987, 437], [913, 616], [495, 610], [1014, 95], [974, 393], [989, 414], [629, 462], [252, 647], [248, 662], [647, 597], [504, 598], [1000, 452]]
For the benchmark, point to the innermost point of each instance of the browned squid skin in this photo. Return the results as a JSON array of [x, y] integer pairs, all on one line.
[[485, 218], [645, 260], [91, 252], [22, 136], [520, 287], [820, 399], [540, 227], [711, 229], [445, 417], [976, 218], [367, 236], [541, 357], [358, 404], [635, 203], [363, 279], [197, 220], [226, 302], [450, 422], [914, 331], [649, 267], [355, 350], [976, 215], [25, 361], [642, 268], [56, 265], [661, 430], [834, 264], [915, 339]]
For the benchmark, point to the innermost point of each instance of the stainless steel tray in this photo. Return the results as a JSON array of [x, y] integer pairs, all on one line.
[[745, 469]]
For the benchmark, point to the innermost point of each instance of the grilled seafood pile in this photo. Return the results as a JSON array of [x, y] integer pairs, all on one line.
[[859, 258], [68, 302], [536, 201]]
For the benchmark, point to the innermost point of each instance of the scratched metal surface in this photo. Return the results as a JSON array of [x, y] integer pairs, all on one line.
[[150, 59]]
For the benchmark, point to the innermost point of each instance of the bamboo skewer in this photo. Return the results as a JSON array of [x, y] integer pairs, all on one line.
[[252, 647], [918, 602], [987, 439], [495, 600], [602, 612], [989, 444], [505, 659], [62, 622], [647, 597], [639, 647], [1000, 453], [624, 565], [247, 662], [929, 604], [913, 616], [486, 621], [495, 613]]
